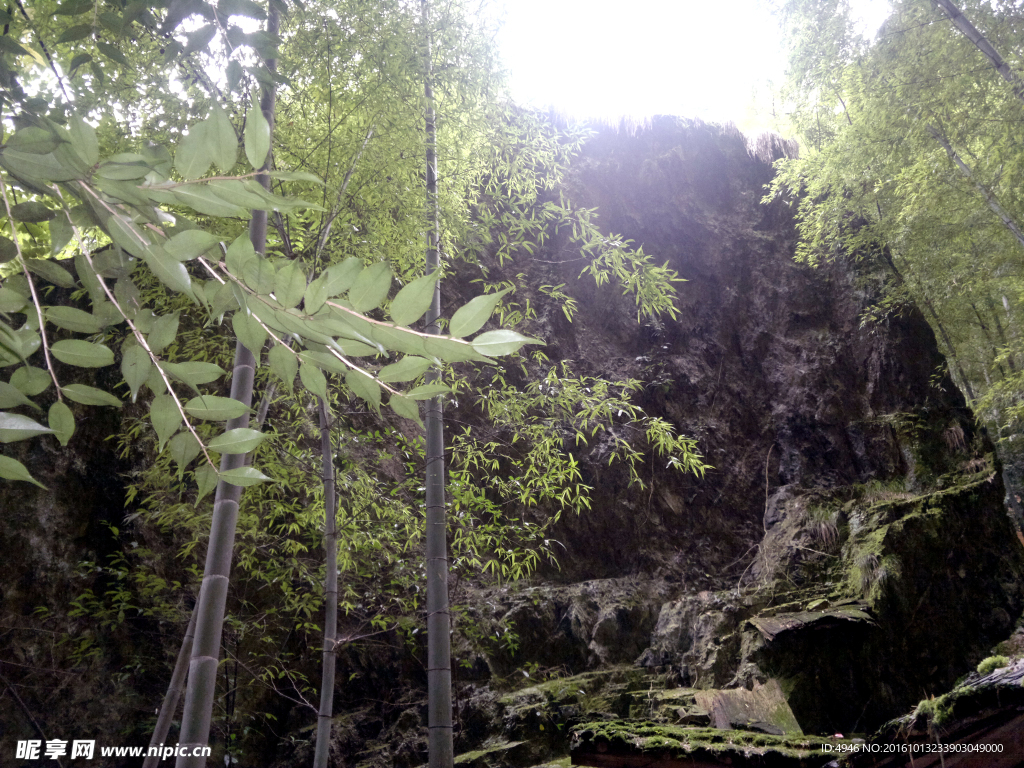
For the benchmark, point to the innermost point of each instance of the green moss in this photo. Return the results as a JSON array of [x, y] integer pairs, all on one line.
[[643, 736], [992, 663]]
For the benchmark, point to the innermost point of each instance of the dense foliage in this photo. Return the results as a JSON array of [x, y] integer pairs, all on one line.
[[124, 245]]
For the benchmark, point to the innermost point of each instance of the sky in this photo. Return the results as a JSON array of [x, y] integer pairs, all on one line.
[[638, 58]]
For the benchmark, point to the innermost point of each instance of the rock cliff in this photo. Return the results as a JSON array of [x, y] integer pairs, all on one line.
[[849, 551]]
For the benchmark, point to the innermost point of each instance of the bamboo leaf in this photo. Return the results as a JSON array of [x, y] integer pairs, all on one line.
[[370, 287], [83, 354], [406, 408], [289, 285], [191, 243], [83, 140], [86, 395], [184, 447], [206, 479], [166, 418], [243, 476], [32, 212], [162, 332], [214, 408], [257, 137], [502, 342], [427, 391], [224, 142], [11, 301], [249, 331], [315, 295], [414, 299], [195, 152], [339, 277], [240, 440], [135, 365], [31, 381], [194, 373], [12, 469], [471, 318], [168, 270], [364, 387], [61, 421], [74, 319], [406, 369], [14, 427], [313, 380], [12, 397], [284, 364]]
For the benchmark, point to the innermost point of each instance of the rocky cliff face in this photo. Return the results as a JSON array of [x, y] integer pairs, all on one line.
[[849, 550]]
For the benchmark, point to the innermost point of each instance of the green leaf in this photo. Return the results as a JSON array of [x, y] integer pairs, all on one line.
[[297, 176], [240, 440], [234, 75], [112, 53], [191, 243], [213, 408], [224, 142], [32, 212], [79, 60], [452, 351], [62, 422], [339, 277], [11, 301], [364, 387], [206, 479], [60, 233], [195, 152], [260, 275], [34, 141], [8, 250], [223, 299], [184, 447], [77, 32], [406, 408], [127, 235], [12, 397], [414, 299], [166, 418], [370, 287], [249, 331], [471, 318], [168, 270], [427, 391], [14, 427], [502, 342], [351, 348], [257, 137], [284, 364], [37, 169], [200, 38], [201, 198], [49, 271], [244, 476], [12, 469], [84, 140], [315, 295], [135, 365], [80, 393], [31, 380], [74, 319], [289, 285], [162, 332], [406, 369], [313, 380], [194, 373], [83, 354]]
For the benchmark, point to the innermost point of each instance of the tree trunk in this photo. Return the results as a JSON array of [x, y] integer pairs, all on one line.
[[439, 673], [999, 211], [202, 674], [323, 723], [983, 45]]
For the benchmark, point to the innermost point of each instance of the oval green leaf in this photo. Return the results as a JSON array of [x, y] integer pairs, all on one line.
[[214, 408], [83, 354]]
